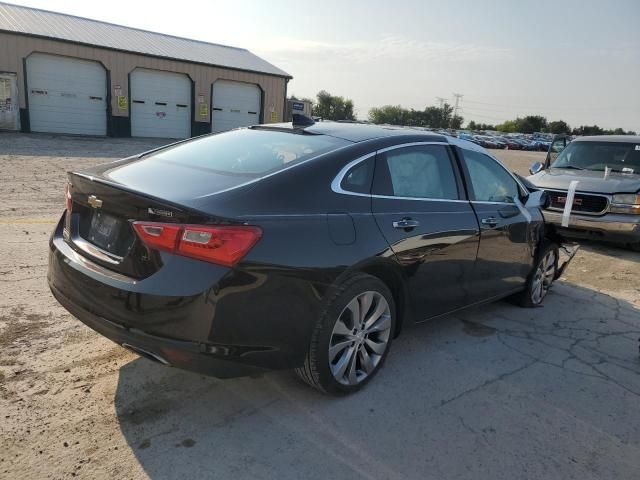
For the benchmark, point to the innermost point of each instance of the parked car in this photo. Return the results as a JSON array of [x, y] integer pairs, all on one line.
[[606, 204], [499, 143], [510, 143], [485, 141], [295, 246]]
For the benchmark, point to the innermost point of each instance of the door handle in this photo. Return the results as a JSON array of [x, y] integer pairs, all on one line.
[[489, 221], [406, 223]]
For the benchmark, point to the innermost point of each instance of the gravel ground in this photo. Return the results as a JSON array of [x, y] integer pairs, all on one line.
[[494, 392]]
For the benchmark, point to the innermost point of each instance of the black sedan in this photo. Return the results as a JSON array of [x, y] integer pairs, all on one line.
[[304, 247]]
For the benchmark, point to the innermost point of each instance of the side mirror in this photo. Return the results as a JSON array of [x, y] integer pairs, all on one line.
[[535, 168]]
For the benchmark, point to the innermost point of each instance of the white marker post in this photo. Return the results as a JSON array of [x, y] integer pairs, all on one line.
[[571, 193]]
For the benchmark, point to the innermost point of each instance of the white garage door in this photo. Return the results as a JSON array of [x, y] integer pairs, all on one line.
[[160, 104], [235, 105], [66, 95]]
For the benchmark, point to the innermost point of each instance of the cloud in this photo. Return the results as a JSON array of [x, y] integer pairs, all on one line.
[[387, 48]]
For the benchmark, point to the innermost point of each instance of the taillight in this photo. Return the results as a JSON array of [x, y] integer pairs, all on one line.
[[221, 244], [161, 236], [67, 196]]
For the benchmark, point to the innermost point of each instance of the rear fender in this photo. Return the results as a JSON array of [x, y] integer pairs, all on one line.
[[389, 272]]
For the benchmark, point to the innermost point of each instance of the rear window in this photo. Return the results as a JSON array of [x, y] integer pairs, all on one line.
[[252, 152]]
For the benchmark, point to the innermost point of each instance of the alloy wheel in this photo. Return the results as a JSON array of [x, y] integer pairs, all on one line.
[[360, 338], [543, 277]]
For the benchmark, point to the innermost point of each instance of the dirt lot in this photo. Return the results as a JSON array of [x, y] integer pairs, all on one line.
[[494, 392]]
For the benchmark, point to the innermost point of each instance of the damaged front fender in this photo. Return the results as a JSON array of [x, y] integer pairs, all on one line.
[[566, 252]]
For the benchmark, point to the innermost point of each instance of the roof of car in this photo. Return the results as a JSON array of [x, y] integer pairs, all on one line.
[[359, 132], [610, 138], [355, 131]]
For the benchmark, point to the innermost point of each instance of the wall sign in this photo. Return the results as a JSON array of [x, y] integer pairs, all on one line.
[[274, 116], [122, 102], [203, 110]]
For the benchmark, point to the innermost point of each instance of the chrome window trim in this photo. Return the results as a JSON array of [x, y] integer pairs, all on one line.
[[420, 199], [336, 184], [606, 209], [486, 202], [412, 144]]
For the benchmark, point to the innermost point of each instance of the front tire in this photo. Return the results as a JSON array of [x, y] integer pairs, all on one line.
[[542, 276], [352, 337]]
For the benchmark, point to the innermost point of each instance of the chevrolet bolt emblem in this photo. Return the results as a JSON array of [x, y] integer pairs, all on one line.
[[94, 201]]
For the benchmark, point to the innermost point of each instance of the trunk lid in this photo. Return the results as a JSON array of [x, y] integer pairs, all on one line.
[[99, 224]]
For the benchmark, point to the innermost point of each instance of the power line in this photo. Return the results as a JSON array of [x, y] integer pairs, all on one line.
[[548, 107], [473, 114]]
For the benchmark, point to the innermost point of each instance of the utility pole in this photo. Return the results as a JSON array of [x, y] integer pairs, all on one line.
[[441, 101], [455, 108]]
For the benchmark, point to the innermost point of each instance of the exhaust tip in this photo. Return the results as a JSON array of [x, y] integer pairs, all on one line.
[[145, 353]]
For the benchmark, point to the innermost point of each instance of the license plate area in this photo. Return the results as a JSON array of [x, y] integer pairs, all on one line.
[[104, 231]]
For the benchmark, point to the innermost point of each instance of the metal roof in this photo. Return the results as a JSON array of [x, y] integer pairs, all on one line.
[[59, 26]]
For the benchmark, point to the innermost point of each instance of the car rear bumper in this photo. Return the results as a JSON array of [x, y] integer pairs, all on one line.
[[193, 356], [192, 315], [611, 227]]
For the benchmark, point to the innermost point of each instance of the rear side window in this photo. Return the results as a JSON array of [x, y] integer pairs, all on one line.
[[358, 179], [423, 171], [251, 152]]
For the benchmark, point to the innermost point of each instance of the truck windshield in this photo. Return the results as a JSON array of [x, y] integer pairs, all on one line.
[[618, 156]]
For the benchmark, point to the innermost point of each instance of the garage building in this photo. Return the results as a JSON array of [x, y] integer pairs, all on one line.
[[80, 76]]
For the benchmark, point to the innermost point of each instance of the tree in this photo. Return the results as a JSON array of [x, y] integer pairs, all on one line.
[[510, 126], [531, 124], [480, 126], [330, 107], [390, 114], [434, 117], [558, 126], [528, 124], [456, 121], [588, 130]]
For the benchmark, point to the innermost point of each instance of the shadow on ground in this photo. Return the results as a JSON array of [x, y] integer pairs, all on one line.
[[495, 392]]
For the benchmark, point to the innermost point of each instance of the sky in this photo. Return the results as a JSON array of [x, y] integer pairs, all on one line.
[[575, 60]]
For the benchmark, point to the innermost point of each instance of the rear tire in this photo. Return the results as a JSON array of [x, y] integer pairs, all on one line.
[[352, 336], [542, 276]]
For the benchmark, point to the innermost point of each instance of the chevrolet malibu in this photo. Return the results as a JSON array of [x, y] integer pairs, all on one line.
[[304, 246]]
